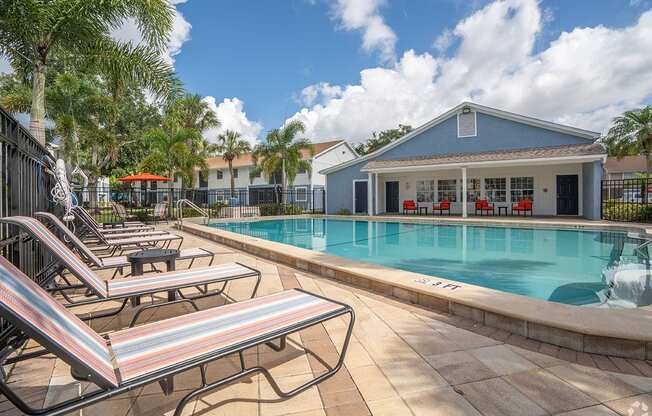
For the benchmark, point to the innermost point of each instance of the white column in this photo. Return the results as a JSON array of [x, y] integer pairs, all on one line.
[[376, 194], [464, 207], [370, 196]]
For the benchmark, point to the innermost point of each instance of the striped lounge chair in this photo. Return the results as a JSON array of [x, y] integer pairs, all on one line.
[[133, 288], [160, 212], [131, 358], [120, 211], [88, 221], [127, 241], [115, 262], [112, 225]]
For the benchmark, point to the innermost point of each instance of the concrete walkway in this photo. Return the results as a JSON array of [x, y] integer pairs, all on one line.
[[403, 360]]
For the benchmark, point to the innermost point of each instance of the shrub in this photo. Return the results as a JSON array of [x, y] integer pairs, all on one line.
[[279, 209], [141, 215], [626, 211], [343, 211]]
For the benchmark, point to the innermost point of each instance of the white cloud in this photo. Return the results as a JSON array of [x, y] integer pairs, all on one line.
[[443, 41], [180, 33], [584, 77], [364, 15], [232, 116]]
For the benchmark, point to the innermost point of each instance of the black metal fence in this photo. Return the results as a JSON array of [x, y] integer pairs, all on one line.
[[219, 203], [24, 189], [627, 200]]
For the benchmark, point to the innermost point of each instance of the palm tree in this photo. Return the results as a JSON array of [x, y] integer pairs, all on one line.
[[33, 33], [230, 146], [281, 152], [632, 133], [191, 112]]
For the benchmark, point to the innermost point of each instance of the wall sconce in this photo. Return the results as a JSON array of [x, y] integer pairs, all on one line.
[[407, 185], [545, 190]]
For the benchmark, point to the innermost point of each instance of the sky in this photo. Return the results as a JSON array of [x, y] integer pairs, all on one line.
[[346, 68]]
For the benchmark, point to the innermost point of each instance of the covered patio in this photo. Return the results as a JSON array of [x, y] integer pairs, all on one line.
[[561, 180]]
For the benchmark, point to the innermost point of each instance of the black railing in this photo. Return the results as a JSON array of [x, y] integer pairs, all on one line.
[[24, 189], [220, 203], [627, 200]]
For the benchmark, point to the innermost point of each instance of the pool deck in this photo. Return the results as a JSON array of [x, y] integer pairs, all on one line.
[[404, 359], [620, 332]]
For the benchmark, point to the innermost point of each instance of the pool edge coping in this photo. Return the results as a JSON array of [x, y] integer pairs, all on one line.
[[625, 333]]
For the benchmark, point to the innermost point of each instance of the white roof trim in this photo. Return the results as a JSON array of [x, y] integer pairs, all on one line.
[[586, 134], [491, 163], [343, 142]]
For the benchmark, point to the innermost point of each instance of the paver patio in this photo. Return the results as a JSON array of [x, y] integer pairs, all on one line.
[[403, 360]]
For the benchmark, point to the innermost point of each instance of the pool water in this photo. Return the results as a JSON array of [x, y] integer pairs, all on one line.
[[594, 268]]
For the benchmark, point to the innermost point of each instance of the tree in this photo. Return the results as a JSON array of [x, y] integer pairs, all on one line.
[[382, 139], [77, 33], [631, 133], [230, 146], [171, 155], [191, 112], [282, 153]]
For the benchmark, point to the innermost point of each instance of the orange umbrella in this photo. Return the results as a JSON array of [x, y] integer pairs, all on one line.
[[145, 177]]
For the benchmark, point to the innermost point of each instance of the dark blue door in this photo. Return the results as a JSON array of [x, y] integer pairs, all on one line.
[[567, 195], [360, 197]]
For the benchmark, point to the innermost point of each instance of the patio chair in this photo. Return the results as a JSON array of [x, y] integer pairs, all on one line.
[[482, 206], [524, 206], [409, 205], [113, 227], [161, 212], [124, 289], [115, 262], [121, 212], [155, 352], [444, 205], [133, 240]]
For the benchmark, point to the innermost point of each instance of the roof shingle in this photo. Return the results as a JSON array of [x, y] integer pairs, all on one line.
[[499, 155]]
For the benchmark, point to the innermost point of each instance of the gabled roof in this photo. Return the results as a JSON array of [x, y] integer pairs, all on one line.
[[570, 151], [246, 159], [585, 134]]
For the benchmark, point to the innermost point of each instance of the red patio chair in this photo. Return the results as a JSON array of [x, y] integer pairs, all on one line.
[[524, 206], [444, 205], [483, 206], [409, 205]]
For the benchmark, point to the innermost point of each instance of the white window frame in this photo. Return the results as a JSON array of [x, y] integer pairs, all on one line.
[[296, 193], [475, 125], [353, 194], [221, 173]]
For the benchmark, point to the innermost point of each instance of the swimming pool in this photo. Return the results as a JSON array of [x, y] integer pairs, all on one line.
[[577, 267]]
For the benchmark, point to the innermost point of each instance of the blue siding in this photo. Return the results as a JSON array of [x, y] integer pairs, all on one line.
[[591, 183], [493, 134], [339, 187]]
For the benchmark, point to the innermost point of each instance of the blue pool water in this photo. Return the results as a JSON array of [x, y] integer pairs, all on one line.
[[568, 266]]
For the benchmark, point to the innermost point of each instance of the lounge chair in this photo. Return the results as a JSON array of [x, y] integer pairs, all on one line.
[[114, 262], [444, 205], [409, 205], [120, 212], [160, 212], [108, 228], [135, 240], [124, 289], [524, 206], [482, 206], [125, 360]]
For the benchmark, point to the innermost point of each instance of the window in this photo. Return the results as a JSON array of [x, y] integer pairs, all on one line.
[[466, 124], [522, 187], [425, 191], [447, 189], [235, 173], [203, 181], [496, 189], [220, 175], [301, 193], [472, 190]]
